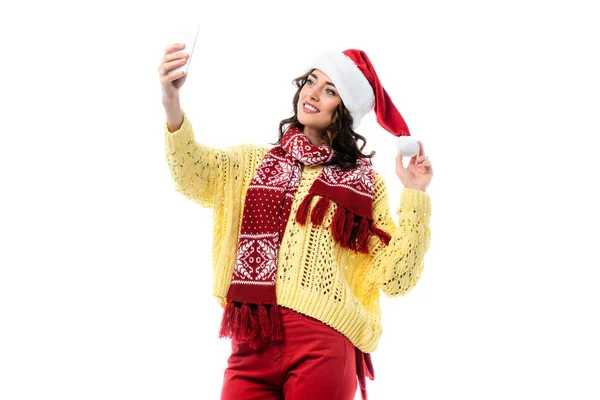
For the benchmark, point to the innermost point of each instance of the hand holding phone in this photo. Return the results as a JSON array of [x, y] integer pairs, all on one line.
[[187, 35]]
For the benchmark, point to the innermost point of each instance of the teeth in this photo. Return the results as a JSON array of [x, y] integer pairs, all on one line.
[[311, 108]]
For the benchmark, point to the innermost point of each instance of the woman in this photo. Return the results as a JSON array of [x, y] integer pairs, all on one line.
[[303, 237]]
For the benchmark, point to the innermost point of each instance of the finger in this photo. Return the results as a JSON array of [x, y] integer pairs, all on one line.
[[421, 148], [169, 53], [168, 78], [165, 68], [174, 47], [173, 58], [176, 56], [399, 161]]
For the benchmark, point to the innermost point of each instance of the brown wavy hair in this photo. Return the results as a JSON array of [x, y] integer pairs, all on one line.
[[339, 134]]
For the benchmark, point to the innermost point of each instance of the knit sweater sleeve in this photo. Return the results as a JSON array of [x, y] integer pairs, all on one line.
[[200, 172], [396, 268]]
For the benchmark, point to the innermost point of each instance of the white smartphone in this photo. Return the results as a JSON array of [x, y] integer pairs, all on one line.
[[187, 35]]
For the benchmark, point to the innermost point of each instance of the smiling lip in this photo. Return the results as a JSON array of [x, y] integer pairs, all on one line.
[[306, 110]]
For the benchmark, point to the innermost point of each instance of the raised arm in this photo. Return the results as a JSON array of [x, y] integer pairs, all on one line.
[[396, 268], [199, 172]]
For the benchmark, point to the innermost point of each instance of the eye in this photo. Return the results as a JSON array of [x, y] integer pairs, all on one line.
[[331, 92]]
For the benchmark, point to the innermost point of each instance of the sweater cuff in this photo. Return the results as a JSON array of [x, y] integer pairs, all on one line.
[[180, 137], [416, 199]]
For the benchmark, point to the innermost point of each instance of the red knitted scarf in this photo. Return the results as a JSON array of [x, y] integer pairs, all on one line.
[[266, 211]]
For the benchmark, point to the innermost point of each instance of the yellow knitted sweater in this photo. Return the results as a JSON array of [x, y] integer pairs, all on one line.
[[315, 276]]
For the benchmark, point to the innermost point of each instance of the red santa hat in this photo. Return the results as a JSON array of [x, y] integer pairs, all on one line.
[[361, 91]]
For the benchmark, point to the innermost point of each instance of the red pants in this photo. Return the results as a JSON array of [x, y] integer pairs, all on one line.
[[313, 361]]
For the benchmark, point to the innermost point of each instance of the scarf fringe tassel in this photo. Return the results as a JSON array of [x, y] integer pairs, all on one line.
[[253, 328], [364, 369], [349, 230]]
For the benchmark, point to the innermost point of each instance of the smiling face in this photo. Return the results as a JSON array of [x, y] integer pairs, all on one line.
[[317, 103]]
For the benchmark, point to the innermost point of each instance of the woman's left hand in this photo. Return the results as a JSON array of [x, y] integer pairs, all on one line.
[[418, 174]]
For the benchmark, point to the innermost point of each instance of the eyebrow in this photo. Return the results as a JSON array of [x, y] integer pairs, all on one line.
[[328, 83]]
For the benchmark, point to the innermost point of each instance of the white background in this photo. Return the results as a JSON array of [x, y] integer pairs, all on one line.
[[105, 282]]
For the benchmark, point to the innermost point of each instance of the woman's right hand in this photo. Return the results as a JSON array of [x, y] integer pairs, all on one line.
[[171, 83]]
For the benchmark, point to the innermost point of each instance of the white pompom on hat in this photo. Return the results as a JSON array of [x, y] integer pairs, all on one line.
[[361, 91]]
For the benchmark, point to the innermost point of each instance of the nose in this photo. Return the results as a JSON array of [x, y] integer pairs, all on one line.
[[312, 93]]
